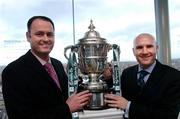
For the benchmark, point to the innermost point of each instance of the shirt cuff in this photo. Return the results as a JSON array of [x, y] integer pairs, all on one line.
[[126, 113]]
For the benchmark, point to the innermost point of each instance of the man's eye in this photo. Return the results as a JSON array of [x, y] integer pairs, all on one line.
[[50, 34], [139, 47], [39, 34], [149, 46]]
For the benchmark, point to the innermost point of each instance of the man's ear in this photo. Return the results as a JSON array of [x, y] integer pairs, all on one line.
[[133, 51], [28, 36]]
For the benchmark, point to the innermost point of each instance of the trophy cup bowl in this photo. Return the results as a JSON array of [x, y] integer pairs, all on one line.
[[92, 58]]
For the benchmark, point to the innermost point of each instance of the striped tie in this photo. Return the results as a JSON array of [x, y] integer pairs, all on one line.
[[50, 69], [140, 80]]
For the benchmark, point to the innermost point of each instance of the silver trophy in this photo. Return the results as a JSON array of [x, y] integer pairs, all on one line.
[[85, 72]]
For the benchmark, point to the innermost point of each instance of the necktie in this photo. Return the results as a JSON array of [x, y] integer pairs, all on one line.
[[50, 69], [140, 80]]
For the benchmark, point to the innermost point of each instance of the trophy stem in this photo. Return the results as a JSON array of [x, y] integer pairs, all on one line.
[[93, 78]]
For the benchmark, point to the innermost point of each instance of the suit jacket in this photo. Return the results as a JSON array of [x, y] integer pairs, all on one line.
[[160, 97], [30, 93]]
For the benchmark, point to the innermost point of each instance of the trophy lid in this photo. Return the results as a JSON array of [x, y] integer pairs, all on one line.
[[92, 36]]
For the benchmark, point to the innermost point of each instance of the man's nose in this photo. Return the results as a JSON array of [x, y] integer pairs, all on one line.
[[46, 37], [144, 50]]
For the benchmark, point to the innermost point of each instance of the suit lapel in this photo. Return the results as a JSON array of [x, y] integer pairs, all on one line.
[[136, 88], [154, 80], [155, 75], [129, 82], [33, 63], [134, 77], [57, 69], [62, 78]]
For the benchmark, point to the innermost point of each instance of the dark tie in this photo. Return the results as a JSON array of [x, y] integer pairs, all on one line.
[[50, 69], [140, 80]]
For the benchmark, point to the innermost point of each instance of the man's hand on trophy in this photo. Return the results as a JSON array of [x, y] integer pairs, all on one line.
[[78, 100], [107, 73], [116, 101], [107, 77]]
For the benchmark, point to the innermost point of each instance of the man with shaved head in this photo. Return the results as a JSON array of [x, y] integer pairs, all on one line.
[[150, 90]]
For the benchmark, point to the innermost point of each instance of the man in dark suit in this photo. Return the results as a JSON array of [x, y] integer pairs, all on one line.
[[159, 95], [29, 91]]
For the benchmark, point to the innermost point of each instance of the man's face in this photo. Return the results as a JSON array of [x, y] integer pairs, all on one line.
[[41, 37], [144, 50]]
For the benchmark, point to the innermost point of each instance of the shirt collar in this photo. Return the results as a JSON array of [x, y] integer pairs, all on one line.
[[43, 62]]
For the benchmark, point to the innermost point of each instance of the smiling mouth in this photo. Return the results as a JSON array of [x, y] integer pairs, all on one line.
[[145, 58], [46, 45]]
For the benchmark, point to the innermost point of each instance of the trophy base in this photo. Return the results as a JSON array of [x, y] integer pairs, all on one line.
[[96, 107]]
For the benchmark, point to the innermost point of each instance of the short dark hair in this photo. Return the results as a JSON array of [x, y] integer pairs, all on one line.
[[38, 17]]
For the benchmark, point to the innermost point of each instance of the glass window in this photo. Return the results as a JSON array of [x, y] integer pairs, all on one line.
[[174, 10], [118, 21]]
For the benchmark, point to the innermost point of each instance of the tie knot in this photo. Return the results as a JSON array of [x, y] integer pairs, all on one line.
[[48, 65], [49, 68], [140, 80], [143, 73]]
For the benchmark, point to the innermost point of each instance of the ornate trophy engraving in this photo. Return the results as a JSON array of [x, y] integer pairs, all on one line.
[[85, 72]]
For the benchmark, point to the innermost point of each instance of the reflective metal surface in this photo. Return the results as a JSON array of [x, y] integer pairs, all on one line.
[[92, 52], [92, 60]]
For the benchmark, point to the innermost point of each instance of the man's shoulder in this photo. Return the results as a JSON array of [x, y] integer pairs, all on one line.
[[54, 60], [12, 66], [17, 63], [130, 69], [133, 67], [171, 70], [166, 67]]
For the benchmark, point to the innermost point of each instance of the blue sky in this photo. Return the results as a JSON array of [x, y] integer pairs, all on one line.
[[118, 21]]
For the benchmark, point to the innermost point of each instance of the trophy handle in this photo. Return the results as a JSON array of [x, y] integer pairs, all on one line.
[[65, 50], [116, 69], [72, 47]]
